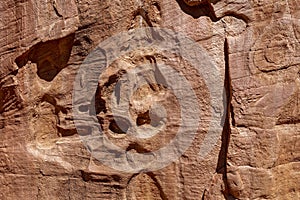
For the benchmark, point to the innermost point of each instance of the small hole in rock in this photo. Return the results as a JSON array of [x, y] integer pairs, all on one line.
[[143, 118], [114, 78], [119, 126], [100, 105], [137, 147]]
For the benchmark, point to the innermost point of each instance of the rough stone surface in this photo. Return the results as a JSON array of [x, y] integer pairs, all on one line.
[[194, 2], [254, 44]]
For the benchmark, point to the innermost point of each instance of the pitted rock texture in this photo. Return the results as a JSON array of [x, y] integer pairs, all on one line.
[[254, 44]]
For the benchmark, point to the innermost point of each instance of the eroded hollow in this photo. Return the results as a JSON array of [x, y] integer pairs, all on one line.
[[203, 9], [47, 70], [137, 147], [150, 117], [100, 103], [51, 56], [143, 118], [137, 84], [119, 125]]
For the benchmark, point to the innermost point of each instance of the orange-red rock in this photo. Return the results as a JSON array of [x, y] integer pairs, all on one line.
[[253, 44]]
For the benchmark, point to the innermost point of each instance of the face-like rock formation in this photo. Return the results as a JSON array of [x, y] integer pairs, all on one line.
[[254, 49]]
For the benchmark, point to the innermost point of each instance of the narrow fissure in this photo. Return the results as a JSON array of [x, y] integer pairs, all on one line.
[[232, 114], [222, 159], [163, 196], [56, 11]]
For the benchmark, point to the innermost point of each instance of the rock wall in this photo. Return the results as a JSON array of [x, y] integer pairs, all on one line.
[[255, 46]]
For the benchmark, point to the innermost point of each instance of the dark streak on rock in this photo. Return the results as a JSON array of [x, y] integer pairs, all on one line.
[[55, 9], [222, 159], [163, 196]]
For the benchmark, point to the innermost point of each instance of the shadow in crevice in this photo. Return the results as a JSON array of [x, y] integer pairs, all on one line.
[[222, 158], [158, 185], [214, 1], [50, 57], [204, 9]]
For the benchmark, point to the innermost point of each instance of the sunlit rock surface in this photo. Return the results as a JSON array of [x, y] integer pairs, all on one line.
[[253, 44]]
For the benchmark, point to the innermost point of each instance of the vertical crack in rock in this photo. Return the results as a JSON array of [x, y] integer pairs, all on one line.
[[146, 184], [148, 14], [158, 185], [232, 115], [142, 12], [222, 159], [55, 7]]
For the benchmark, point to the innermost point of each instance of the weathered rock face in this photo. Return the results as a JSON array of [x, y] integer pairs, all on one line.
[[254, 45]]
